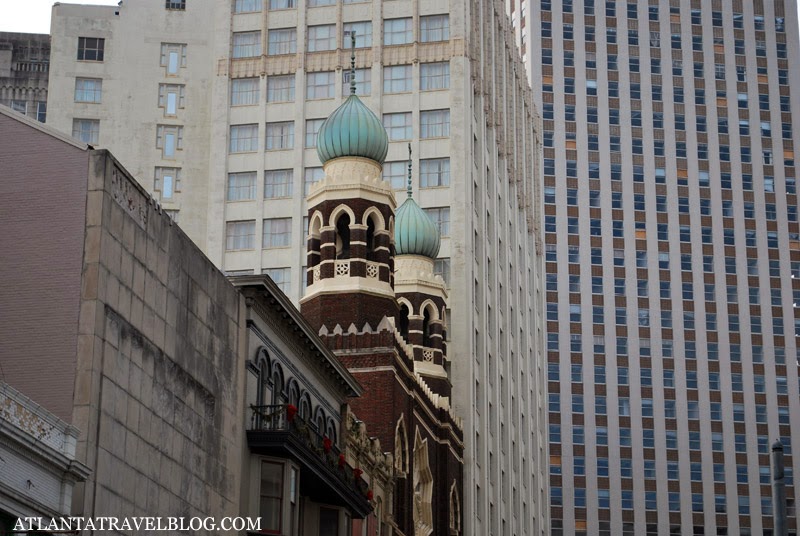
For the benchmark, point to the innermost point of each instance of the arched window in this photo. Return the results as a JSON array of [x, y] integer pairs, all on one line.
[[320, 420], [278, 396], [423, 487], [331, 430], [343, 237], [400, 448], [370, 239], [294, 393], [426, 327], [455, 510], [263, 379], [402, 321]]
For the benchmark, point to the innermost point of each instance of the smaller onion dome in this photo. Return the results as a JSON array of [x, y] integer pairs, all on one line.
[[415, 233], [352, 130]]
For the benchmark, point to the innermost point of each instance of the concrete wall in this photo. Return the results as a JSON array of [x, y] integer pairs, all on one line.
[[159, 384], [41, 268]]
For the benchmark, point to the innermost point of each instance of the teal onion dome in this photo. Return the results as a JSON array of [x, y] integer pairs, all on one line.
[[414, 231], [352, 130]]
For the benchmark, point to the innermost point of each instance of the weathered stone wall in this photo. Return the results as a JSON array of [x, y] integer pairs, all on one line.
[[159, 382]]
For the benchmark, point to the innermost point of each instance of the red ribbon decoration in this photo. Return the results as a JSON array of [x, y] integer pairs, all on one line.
[[291, 411], [326, 444]]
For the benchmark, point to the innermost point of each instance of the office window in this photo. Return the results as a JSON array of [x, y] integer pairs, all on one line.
[[319, 85], [167, 181], [171, 97], [88, 90], [434, 76], [281, 276], [434, 28], [434, 172], [248, 6], [280, 88], [322, 38], [312, 129], [179, 5], [280, 135], [363, 81], [398, 125], [434, 124], [244, 138], [441, 267], [240, 235], [277, 232], [283, 41], [246, 44], [241, 186], [278, 183], [395, 172], [244, 91], [311, 176], [91, 48], [363, 30], [86, 130], [397, 31], [441, 217], [397, 79], [173, 57]]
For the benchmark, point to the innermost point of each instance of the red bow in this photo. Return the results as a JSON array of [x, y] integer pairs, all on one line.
[[326, 444], [291, 411]]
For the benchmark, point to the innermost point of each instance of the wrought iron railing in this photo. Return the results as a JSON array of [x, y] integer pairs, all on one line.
[[286, 418]]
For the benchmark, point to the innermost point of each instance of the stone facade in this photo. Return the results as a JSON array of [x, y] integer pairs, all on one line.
[[24, 67]]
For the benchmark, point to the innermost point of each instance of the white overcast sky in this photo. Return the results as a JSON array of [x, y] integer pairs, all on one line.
[[33, 16]]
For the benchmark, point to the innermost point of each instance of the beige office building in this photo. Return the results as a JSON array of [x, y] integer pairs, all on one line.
[[215, 106]]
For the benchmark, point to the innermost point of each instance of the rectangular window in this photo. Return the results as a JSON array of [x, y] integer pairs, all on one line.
[[321, 38], [434, 28], [167, 181], [397, 31], [280, 88], [246, 44], [282, 41], [280, 135], [246, 6], [434, 124], [397, 79], [441, 267], [441, 217], [88, 90], [398, 126], [244, 91], [363, 81], [281, 276], [244, 138], [176, 4], [86, 130], [310, 176], [363, 32], [434, 76], [319, 85], [241, 186], [169, 139], [434, 172], [395, 172], [312, 128], [91, 48], [171, 97], [271, 495], [278, 183], [173, 57], [240, 235], [277, 232], [282, 4]]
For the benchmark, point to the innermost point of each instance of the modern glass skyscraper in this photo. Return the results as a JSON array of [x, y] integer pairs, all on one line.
[[672, 240]]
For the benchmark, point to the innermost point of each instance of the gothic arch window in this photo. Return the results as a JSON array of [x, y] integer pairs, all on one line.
[[331, 430], [400, 447], [370, 239], [455, 510], [305, 407], [320, 420], [423, 488], [262, 397], [343, 236], [402, 320], [426, 327], [278, 396], [294, 392], [315, 232]]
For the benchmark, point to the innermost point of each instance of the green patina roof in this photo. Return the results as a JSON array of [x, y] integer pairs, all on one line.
[[352, 130], [414, 231]]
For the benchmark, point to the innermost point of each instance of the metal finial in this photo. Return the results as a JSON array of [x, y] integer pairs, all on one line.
[[353, 62], [409, 171]]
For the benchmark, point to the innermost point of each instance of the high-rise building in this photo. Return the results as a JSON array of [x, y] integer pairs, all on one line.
[[24, 64], [216, 106], [671, 245]]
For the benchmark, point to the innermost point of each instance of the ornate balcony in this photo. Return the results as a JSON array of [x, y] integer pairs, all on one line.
[[325, 476]]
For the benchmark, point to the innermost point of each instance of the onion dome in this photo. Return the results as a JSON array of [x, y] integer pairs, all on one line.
[[415, 233], [352, 129]]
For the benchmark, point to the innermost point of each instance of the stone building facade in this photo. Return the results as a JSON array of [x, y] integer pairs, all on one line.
[[24, 69], [163, 364]]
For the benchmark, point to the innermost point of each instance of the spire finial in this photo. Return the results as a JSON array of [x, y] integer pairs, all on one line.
[[352, 62], [409, 171]]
